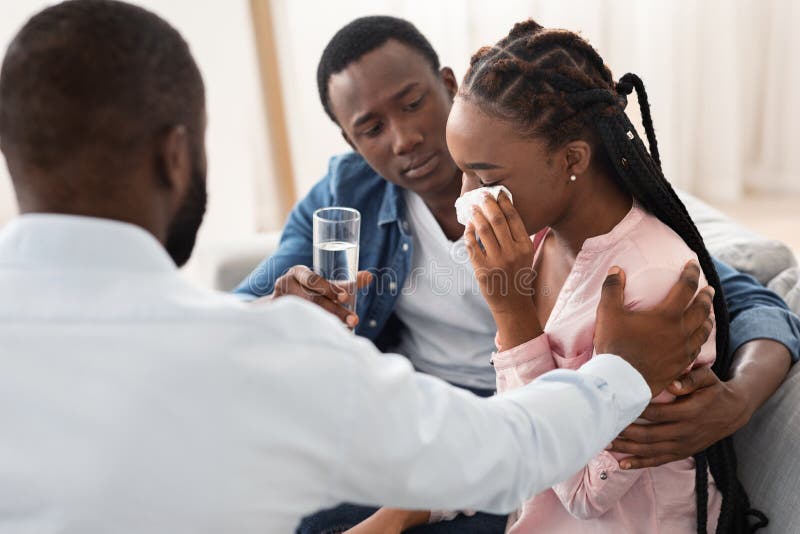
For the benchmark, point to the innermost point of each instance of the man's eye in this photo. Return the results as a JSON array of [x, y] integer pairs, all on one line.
[[374, 131], [415, 104]]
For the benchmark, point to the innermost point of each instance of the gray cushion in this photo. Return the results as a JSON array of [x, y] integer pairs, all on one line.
[[737, 246], [787, 285], [769, 457]]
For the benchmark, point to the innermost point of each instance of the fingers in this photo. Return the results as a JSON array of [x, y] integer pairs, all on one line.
[[363, 279], [700, 308], [289, 285], [698, 319], [683, 409], [649, 454], [313, 282], [302, 282], [684, 289], [518, 231], [657, 433], [497, 219], [485, 233], [612, 296], [476, 255], [693, 380], [346, 316], [639, 462], [636, 462]]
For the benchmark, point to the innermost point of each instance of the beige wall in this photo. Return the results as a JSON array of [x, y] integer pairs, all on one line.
[[221, 37]]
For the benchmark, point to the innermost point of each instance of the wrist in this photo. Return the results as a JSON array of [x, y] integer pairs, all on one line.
[[514, 330], [397, 520], [739, 405], [414, 519]]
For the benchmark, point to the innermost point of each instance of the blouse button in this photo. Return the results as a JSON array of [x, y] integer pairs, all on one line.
[[405, 247], [603, 475]]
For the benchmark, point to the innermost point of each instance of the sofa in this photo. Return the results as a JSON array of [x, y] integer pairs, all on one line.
[[768, 447]]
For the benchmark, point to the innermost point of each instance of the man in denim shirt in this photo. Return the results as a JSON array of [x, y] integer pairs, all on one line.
[[380, 81]]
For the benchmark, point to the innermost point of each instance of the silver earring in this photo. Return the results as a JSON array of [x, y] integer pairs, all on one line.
[[573, 178]]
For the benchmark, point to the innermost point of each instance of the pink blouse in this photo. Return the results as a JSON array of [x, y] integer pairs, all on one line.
[[603, 498]]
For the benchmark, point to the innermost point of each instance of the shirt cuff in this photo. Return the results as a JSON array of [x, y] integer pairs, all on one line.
[[775, 324], [629, 388], [530, 350]]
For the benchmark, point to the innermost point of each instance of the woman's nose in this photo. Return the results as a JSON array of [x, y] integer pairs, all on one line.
[[469, 183]]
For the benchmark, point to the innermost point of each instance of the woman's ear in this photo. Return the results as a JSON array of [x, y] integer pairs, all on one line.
[[578, 156], [449, 81]]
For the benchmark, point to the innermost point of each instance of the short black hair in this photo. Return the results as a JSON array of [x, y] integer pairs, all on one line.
[[361, 36], [95, 74]]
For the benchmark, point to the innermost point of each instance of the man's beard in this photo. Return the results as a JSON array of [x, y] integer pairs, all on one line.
[[183, 230]]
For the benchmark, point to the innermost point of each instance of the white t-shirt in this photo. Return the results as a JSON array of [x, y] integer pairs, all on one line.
[[450, 328]]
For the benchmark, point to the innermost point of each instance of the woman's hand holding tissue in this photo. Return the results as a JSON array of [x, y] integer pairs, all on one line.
[[503, 264], [300, 281]]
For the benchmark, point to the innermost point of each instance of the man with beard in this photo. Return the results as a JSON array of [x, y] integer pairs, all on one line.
[[132, 402]]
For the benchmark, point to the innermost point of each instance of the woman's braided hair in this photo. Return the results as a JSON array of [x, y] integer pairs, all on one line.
[[551, 84]]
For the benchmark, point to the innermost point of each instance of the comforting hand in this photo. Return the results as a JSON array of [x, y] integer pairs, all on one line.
[[662, 342], [707, 409], [705, 412], [300, 281], [503, 266]]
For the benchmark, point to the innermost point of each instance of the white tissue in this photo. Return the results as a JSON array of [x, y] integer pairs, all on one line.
[[473, 198]]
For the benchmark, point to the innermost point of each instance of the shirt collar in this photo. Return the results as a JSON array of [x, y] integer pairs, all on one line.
[[71, 241], [391, 205], [629, 222]]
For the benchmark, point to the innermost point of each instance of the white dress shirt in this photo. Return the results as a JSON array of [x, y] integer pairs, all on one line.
[[133, 402]]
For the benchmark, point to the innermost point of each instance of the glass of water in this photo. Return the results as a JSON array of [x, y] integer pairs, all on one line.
[[336, 235]]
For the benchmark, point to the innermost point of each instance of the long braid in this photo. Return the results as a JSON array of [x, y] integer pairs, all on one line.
[[553, 85], [721, 457], [625, 86]]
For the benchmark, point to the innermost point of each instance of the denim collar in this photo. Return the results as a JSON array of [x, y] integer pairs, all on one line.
[[391, 205]]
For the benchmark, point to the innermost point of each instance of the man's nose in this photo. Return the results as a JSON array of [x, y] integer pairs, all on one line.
[[469, 183], [406, 139]]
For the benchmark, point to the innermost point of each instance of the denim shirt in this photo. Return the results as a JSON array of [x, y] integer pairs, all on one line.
[[386, 245], [756, 312], [386, 250]]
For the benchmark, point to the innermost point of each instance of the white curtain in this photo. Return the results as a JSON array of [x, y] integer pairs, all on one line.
[[776, 157], [720, 75]]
